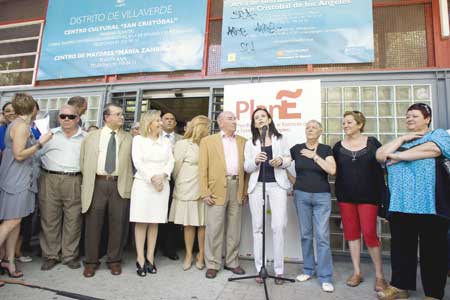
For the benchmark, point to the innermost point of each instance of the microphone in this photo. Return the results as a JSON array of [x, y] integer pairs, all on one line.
[[263, 135]]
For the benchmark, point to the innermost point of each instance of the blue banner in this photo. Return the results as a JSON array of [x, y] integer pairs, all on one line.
[[99, 37], [288, 32]]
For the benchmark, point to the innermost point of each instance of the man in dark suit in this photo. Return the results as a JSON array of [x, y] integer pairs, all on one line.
[[170, 233]]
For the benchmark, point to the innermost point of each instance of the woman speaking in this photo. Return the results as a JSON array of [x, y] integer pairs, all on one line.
[[272, 152]]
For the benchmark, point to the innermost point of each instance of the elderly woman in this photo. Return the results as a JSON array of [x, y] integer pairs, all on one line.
[[275, 157], [187, 208], [16, 196], [313, 163], [359, 189], [153, 160], [419, 189]]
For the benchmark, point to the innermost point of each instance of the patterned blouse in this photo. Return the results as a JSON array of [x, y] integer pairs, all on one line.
[[412, 184]]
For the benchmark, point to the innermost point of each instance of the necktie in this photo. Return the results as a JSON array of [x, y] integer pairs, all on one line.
[[110, 162]]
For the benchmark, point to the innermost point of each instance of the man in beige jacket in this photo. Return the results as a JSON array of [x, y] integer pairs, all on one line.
[[223, 188], [105, 161]]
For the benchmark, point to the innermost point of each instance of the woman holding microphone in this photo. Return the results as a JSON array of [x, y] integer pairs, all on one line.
[[275, 155]]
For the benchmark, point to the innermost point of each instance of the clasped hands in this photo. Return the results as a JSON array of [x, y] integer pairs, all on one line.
[[158, 181], [262, 157]]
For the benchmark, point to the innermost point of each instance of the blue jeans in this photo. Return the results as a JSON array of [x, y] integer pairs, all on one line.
[[315, 209]]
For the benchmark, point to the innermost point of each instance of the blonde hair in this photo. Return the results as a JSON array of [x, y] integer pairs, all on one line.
[[358, 116], [147, 119], [197, 129]]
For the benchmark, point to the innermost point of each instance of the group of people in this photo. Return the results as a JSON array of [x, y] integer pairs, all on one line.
[[201, 182]]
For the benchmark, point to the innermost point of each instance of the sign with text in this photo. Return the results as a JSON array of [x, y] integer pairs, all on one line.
[[291, 104], [99, 37], [296, 32]]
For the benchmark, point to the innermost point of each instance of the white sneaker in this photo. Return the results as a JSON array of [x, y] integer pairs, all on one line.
[[327, 287], [303, 277], [24, 259]]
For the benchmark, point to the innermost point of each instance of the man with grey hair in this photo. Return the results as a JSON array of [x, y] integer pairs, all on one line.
[[60, 192], [80, 104], [223, 188]]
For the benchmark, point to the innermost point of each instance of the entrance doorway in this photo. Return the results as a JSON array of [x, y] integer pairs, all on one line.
[[183, 106]]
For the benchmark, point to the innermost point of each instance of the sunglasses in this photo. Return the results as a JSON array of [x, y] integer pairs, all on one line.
[[64, 116]]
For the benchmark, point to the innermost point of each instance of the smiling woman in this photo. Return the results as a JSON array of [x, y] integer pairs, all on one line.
[[419, 189], [359, 189]]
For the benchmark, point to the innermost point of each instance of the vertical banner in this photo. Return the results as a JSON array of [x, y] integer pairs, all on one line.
[[291, 104], [296, 32], [100, 37]]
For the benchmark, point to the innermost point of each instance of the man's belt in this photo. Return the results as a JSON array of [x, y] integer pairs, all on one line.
[[232, 177], [61, 173], [106, 177]]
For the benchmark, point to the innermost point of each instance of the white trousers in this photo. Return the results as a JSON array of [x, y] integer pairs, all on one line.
[[277, 199]]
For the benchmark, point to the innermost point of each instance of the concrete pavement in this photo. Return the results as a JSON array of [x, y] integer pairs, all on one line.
[[172, 283]]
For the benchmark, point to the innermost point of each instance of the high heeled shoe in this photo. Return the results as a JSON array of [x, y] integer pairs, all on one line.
[[151, 268], [15, 274], [141, 271]]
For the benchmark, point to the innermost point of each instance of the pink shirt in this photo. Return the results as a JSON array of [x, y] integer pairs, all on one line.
[[230, 150]]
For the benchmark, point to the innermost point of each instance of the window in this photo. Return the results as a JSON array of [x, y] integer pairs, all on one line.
[[19, 44]]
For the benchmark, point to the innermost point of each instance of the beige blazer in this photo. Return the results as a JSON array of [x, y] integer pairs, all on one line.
[[185, 172], [213, 169], [88, 163]]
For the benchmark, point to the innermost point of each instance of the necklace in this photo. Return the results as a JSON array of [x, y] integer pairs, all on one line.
[[354, 153]]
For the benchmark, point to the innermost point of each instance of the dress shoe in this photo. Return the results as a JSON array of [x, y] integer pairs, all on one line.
[[238, 270], [187, 264], [89, 270], [380, 284], [73, 264], [354, 280], [172, 256], [49, 264], [279, 281], [211, 273], [141, 271], [199, 265], [392, 293], [151, 267], [116, 268]]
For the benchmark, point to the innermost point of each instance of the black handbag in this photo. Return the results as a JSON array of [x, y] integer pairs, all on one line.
[[445, 164]]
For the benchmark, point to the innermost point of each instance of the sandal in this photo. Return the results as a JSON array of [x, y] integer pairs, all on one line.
[[14, 274], [392, 293], [380, 284], [278, 281], [354, 280]]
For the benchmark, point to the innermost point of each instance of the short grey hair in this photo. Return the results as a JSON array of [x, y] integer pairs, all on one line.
[[315, 121]]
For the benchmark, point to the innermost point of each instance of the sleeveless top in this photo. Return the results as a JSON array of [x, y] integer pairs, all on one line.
[[15, 176]]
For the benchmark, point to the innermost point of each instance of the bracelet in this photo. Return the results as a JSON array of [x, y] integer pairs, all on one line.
[[39, 145]]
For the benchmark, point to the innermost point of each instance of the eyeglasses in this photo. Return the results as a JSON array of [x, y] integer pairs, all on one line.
[[64, 116]]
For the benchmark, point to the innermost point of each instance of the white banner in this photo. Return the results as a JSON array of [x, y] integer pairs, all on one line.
[[291, 104]]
